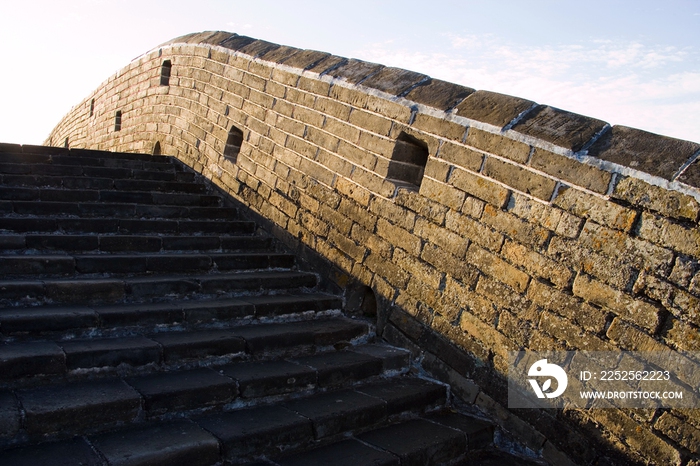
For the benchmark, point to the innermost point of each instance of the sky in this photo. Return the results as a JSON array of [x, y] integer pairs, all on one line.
[[629, 62]]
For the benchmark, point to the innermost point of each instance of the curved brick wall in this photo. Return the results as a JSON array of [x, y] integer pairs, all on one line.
[[527, 227]]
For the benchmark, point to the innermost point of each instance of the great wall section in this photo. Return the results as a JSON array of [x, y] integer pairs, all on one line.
[[476, 223]]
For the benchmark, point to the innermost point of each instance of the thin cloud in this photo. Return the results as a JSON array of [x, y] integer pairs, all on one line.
[[629, 83]]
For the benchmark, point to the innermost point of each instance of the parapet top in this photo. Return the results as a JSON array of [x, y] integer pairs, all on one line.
[[615, 148]]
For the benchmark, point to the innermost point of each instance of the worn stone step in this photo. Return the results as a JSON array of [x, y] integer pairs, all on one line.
[[444, 437], [113, 290], [102, 320], [20, 175], [63, 409], [109, 209], [297, 424], [67, 196], [22, 359], [99, 225], [138, 264], [33, 243]]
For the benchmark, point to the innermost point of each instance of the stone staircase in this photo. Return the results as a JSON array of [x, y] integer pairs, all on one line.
[[144, 320]]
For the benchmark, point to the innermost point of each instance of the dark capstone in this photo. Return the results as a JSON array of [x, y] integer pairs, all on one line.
[[565, 129], [439, 94], [490, 107], [651, 153]]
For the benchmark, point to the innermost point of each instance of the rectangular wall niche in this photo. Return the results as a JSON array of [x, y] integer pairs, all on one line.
[[233, 144], [408, 160], [165, 73], [118, 121]]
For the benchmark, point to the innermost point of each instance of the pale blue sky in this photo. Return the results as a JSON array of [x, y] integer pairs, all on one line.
[[635, 63]]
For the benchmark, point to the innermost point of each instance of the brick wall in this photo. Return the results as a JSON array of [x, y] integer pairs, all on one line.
[[482, 222]]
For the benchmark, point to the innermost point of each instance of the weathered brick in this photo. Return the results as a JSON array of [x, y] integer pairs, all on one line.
[[583, 314], [515, 328], [504, 296], [442, 193], [437, 169], [514, 227], [399, 237], [354, 191], [520, 178], [308, 116], [422, 206], [373, 242], [681, 335], [679, 431], [394, 275], [332, 108], [395, 111], [315, 86], [453, 266], [461, 156], [659, 230], [426, 273], [644, 441], [563, 223], [683, 271], [335, 219], [423, 293], [334, 255], [575, 337], [537, 264], [290, 126], [599, 210], [634, 310], [484, 333], [321, 138], [370, 121], [473, 231], [571, 170], [630, 338], [357, 155], [640, 254], [374, 183], [376, 144], [480, 187], [438, 126], [492, 265], [313, 224], [455, 244], [334, 163], [348, 246], [669, 203], [396, 214], [579, 258], [499, 145], [342, 130], [357, 213], [302, 98]]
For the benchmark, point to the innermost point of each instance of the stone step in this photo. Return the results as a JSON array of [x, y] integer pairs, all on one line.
[[80, 321], [436, 439], [232, 435], [50, 187], [100, 225], [34, 292], [44, 154], [23, 363], [20, 209], [17, 175], [61, 265], [64, 198], [33, 243]]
